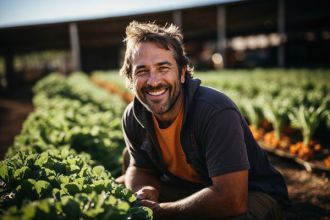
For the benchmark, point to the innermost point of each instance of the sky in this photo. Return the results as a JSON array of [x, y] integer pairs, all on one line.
[[29, 12]]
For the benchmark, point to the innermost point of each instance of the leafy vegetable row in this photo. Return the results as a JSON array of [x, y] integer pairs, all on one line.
[[297, 99], [55, 169], [59, 184]]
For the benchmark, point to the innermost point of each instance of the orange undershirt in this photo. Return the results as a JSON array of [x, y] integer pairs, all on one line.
[[171, 149]]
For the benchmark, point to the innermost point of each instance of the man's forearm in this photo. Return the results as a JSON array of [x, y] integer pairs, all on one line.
[[207, 203], [137, 178], [227, 196]]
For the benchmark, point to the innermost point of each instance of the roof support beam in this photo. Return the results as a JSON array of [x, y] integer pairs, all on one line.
[[177, 19], [281, 32], [221, 32], [75, 47], [9, 70]]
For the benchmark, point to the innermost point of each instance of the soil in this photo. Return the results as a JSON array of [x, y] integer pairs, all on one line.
[[309, 192], [15, 106]]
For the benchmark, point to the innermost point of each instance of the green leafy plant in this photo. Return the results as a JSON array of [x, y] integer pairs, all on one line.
[[307, 119], [276, 112]]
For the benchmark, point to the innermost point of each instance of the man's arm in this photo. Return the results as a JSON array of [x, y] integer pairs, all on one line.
[[225, 198], [143, 182]]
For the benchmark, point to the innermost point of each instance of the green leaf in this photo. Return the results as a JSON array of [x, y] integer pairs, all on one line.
[[71, 188], [80, 181], [40, 209], [44, 207], [74, 168], [111, 200], [42, 187], [64, 179], [83, 171], [98, 170], [30, 159], [49, 172], [95, 131], [72, 161], [56, 193], [22, 173], [99, 186], [123, 206], [65, 152], [4, 171], [132, 198], [29, 212], [42, 160]]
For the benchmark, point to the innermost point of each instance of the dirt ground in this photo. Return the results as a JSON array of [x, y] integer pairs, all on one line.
[[309, 192], [15, 106]]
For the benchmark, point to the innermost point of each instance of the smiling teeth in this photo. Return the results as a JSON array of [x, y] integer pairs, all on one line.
[[155, 93]]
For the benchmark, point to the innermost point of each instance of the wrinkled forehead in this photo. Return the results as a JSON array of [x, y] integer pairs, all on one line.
[[151, 50]]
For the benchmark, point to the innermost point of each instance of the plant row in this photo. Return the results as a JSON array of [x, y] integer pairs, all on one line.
[[62, 164], [293, 104], [111, 82]]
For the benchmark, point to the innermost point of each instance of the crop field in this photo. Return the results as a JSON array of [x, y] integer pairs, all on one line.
[[63, 163], [288, 111]]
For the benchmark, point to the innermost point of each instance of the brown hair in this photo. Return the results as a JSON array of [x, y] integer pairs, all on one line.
[[168, 36]]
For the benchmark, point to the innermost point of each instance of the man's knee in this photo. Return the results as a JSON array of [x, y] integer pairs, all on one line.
[[263, 206]]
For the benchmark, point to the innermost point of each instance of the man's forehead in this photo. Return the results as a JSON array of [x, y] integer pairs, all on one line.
[[150, 50]]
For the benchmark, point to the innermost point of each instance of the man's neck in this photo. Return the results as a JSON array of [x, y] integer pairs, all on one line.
[[166, 119]]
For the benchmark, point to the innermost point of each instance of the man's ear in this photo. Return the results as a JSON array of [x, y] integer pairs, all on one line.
[[183, 75]]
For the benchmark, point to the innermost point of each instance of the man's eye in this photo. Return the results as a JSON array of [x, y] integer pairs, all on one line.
[[164, 68], [141, 72]]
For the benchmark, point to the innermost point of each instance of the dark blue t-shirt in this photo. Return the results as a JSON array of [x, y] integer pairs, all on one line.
[[215, 138]]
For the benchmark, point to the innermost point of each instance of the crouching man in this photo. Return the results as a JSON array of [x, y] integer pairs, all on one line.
[[192, 155]]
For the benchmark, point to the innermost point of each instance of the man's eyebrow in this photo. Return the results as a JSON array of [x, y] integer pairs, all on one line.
[[140, 67], [164, 63], [157, 64]]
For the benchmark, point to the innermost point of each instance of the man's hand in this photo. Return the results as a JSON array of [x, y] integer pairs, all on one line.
[[151, 204], [159, 210], [147, 193]]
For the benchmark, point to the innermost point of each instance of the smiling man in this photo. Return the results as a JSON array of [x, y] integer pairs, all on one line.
[[192, 155]]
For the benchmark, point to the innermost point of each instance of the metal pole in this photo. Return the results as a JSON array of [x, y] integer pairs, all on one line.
[[9, 70], [281, 32], [75, 47], [177, 19], [221, 32]]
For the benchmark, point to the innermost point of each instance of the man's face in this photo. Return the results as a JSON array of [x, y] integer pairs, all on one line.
[[156, 78]]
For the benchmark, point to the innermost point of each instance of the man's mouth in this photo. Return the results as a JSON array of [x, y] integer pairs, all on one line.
[[157, 92]]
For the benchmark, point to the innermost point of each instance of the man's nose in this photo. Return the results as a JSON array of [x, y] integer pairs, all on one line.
[[154, 78]]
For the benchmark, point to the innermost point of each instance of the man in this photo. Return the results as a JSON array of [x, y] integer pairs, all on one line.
[[192, 155]]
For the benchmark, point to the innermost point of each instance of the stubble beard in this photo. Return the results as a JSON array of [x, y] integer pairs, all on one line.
[[167, 106]]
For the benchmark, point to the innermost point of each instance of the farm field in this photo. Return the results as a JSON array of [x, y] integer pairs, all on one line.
[[277, 104], [288, 111], [63, 163]]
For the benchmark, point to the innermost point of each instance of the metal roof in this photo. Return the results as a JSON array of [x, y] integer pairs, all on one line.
[[15, 13]]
